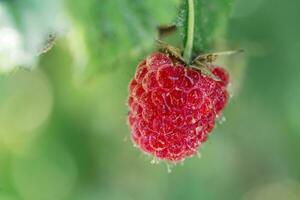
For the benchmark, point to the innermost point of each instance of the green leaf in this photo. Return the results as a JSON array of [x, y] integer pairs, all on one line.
[[211, 18], [115, 32]]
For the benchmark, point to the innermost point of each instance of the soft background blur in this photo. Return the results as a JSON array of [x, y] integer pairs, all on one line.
[[63, 132]]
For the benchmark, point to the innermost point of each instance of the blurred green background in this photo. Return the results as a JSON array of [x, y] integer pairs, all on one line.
[[63, 132]]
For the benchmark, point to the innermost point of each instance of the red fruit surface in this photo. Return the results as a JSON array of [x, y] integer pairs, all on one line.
[[172, 108]]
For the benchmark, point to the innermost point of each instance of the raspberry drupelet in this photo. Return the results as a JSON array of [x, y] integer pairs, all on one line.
[[173, 108]]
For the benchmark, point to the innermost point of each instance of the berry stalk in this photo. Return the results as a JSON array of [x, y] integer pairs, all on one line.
[[190, 32]]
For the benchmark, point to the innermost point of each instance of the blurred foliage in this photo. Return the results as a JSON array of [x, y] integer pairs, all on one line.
[[95, 29], [24, 26], [107, 24], [66, 139]]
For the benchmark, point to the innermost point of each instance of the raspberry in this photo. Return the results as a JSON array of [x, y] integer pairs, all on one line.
[[172, 108], [222, 75]]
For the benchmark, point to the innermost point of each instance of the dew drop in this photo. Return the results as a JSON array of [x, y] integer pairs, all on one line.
[[199, 154], [222, 120], [154, 161], [169, 170]]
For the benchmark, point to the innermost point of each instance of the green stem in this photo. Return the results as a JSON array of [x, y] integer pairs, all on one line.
[[190, 32]]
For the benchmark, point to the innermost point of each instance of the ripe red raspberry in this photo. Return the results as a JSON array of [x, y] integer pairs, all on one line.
[[172, 108]]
